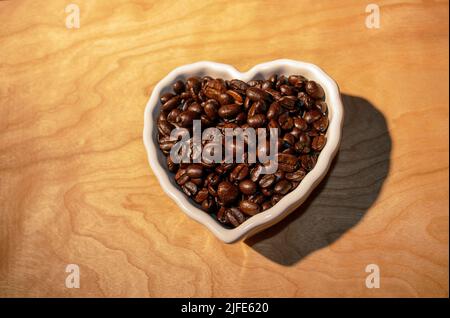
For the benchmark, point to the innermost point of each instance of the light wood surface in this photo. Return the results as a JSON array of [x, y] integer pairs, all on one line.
[[76, 187]]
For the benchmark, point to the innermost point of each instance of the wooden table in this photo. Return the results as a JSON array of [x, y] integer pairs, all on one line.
[[76, 187]]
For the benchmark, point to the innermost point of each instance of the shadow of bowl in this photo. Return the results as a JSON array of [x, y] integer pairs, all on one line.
[[344, 196]]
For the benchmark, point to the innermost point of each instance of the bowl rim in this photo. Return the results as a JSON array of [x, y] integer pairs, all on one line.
[[290, 201]]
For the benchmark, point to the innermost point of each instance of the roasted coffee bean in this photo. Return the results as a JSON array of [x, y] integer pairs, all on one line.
[[256, 94], [225, 99], [257, 198], [165, 128], [289, 140], [240, 172], [172, 116], [321, 124], [208, 204], [296, 175], [237, 98], [276, 95], [300, 123], [239, 85], [229, 111], [195, 107], [256, 173], [213, 179], [194, 170], [211, 108], [227, 192], [178, 87], [308, 162], [314, 90], [248, 207], [165, 97], [288, 102], [267, 180], [318, 143], [305, 100], [282, 187], [247, 186], [171, 104], [297, 81], [194, 84], [189, 188], [292, 105], [221, 215], [257, 121], [274, 111], [235, 216], [312, 115], [322, 106], [287, 162], [286, 122], [201, 195], [186, 118], [288, 90]]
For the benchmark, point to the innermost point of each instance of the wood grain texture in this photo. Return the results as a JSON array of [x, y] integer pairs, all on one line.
[[76, 187]]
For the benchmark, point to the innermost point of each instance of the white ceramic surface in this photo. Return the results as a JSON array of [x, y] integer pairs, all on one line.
[[293, 199]]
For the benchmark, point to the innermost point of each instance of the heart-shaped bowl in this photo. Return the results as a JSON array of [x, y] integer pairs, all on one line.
[[289, 202]]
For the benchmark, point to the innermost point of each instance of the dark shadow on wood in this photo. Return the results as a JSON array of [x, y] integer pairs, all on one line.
[[345, 195]]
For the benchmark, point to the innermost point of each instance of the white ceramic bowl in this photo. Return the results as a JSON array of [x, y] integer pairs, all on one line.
[[293, 199]]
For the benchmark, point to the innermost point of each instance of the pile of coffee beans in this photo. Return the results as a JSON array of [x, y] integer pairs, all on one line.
[[233, 192]]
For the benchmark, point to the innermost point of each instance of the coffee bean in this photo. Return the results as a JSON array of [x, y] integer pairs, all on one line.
[[300, 123], [312, 115], [288, 102], [267, 180], [287, 162], [194, 171], [208, 204], [227, 192], [237, 98], [165, 128], [314, 90], [189, 188], [321, 124], [178, 87], [225, 99], [255, 173], [240, 172], [247, 186], [229, 111], [248, 207], [305, 100], [286, 122], [201, 195], [274, 111], [171, 104], [256, 94], [239, 85], [318, 143], [257, 121], [282, 187], [235, 216], [296, 175], [186, 118]]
